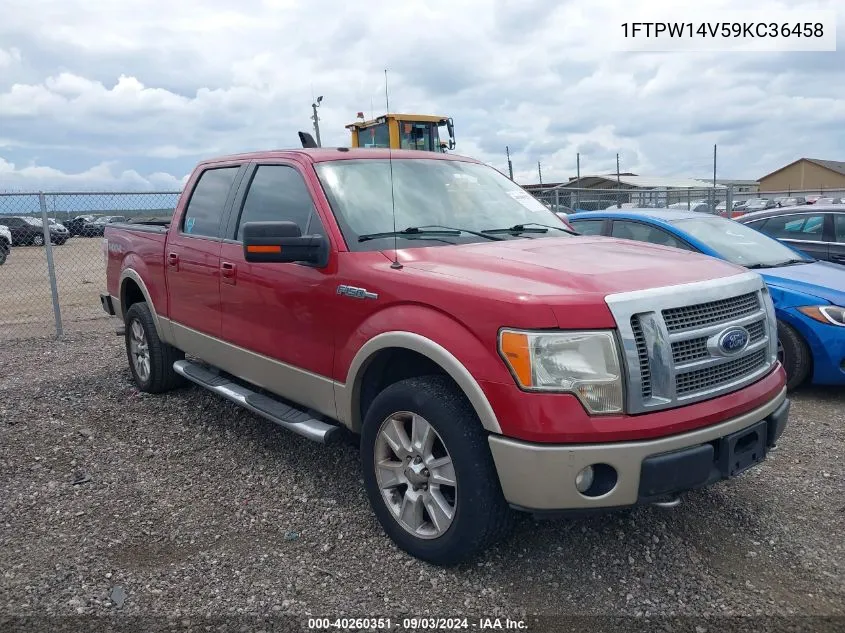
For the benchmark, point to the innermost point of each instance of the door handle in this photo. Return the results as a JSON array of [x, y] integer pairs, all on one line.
[[173, 260], [227, 272]]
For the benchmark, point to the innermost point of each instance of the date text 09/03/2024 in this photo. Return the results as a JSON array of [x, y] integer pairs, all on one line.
[[723, 29], [416, 624]]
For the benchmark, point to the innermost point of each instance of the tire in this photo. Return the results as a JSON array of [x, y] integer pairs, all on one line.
[[4, 252], [38, 240], [480, 514], [794, 355], [156, 375]]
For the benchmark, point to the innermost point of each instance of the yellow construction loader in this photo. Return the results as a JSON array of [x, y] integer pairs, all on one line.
[[404, 131]]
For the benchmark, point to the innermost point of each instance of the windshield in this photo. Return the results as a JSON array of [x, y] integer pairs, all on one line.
[[459, 194], [33, 221], [737, 243]]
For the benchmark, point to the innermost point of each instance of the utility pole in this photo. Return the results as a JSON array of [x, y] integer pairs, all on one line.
[[510, 164], [316, 119], [540, 173]]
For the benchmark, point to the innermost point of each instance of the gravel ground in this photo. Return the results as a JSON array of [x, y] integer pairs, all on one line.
[[183, 505]]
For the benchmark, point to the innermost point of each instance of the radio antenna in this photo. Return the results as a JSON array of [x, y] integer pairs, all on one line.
[[396, 265]]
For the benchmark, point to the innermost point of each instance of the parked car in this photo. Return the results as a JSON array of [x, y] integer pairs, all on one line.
[[814, 198], [488, 358], [696, 206], [75, 226], [790, 202], [818, 231], [755, 204], [97, 226], [5, 244], [29, 231], [809, 295], [827, 201], [722, 207]]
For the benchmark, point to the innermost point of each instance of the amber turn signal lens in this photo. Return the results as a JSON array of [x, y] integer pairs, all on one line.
[[518, 356], [263, 249]]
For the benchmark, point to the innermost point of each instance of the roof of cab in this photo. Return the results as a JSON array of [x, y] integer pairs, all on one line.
[[323, 154]]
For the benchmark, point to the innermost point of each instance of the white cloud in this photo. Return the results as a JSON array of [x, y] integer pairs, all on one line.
[[102, 177], [104, 92]]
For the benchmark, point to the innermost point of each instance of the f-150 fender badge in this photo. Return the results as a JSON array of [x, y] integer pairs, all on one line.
[[356, 293]]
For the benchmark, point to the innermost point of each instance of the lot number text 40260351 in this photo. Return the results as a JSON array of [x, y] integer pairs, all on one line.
[[417, 624]]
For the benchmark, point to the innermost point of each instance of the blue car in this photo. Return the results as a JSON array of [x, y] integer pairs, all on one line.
[[809, 295]]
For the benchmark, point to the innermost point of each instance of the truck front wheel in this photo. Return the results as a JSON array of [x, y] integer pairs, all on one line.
[[150, 359], [429, 474]]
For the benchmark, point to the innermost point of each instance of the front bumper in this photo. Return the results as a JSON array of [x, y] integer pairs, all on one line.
[[541, 477]]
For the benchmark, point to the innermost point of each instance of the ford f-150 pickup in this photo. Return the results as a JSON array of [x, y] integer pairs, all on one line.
[[488, 358]]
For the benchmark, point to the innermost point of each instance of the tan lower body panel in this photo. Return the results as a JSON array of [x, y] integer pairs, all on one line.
[[304, 388], [542, 477]]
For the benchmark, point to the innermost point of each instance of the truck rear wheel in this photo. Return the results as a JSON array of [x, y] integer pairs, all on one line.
[[429, 474], [4, 251], [150, 359]]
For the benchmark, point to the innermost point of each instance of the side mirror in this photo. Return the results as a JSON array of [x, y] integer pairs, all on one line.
[[450, 125], [282, 242], [307, 140]]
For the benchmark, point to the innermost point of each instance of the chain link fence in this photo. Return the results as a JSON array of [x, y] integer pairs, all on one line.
[[717, 200], [53, 270], [52, 263]]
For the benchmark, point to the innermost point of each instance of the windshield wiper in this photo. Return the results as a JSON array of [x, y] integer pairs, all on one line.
[[431, 229], [520, 228], [788, 262]]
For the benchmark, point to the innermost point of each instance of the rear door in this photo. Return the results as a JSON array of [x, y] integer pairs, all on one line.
[[192, 255], [837, 248]]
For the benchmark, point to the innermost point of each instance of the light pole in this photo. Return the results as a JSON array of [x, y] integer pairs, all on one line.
[[316, 119]]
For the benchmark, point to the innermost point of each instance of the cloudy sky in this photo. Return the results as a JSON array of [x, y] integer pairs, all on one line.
[[129, 94]]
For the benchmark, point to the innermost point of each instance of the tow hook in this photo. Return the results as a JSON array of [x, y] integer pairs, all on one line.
[[120, 330], [669, 502]]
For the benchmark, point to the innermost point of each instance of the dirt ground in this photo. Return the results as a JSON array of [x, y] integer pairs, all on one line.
[[26, 306], [122, 507]]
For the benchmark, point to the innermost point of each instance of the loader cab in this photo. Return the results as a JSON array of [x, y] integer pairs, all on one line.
[[404, 131]]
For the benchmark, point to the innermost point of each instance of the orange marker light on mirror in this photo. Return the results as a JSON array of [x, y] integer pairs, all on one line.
[[257, 248]]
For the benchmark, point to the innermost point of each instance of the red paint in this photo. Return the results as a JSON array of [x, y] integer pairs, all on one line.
[[457, 296]]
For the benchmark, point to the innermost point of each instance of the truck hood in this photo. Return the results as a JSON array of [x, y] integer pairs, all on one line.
[[567, 265], [824, 280]]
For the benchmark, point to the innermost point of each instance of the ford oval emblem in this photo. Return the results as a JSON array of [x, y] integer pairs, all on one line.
[[733, 340]]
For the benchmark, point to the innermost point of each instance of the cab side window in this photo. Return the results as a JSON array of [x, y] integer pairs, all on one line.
[[644, 233], [796, 227], [278, 193], [588, 227], [205, 208]]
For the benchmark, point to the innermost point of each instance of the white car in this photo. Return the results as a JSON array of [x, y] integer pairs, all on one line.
[[5, 243]]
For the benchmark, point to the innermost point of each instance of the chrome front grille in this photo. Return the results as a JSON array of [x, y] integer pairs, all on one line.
[[702, 379], [688, 350], [673, 340], [710, 313]]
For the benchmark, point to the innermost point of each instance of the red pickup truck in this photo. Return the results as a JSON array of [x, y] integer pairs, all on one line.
[[489, 358]]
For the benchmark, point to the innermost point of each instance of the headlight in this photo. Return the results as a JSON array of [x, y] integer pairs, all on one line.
[[583, 363], [825, 314]]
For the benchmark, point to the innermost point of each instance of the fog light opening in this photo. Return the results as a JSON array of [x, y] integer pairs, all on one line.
[[596, 480]]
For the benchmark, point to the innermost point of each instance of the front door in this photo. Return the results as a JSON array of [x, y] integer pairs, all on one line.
[[192, 258], [279, 314]]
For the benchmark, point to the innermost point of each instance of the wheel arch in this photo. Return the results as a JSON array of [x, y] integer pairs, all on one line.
[[378, 352], [134, 290]]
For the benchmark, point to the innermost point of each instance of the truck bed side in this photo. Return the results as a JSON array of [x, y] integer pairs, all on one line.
[[139, 247]]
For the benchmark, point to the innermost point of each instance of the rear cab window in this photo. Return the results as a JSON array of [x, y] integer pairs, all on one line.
[[202, 217], [839, 227], [588, 227], [797, 227]]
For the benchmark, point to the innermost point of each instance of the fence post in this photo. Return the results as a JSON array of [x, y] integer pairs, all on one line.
[[51, 268]]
